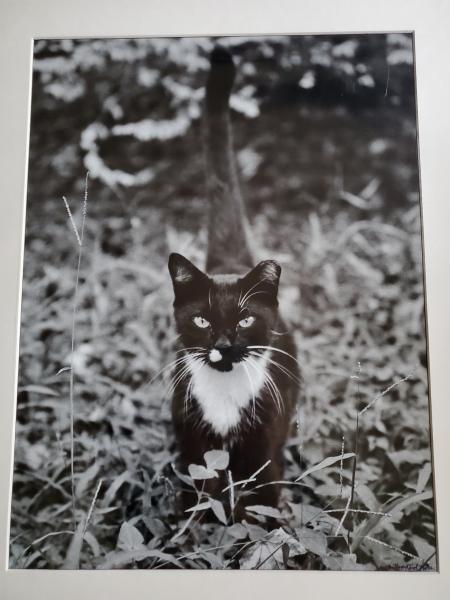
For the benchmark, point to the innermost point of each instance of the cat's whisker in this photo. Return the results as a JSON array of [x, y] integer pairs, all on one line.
[[190, 385], [248, 292], [167, 367], [184, 358], [187, 397], [179, 378], [180, 359], [278, 399], [251, 296], [273, 392], [271, 386], [259, 370], [273, 389], [189, 348], [176, 380], [180, 362], [274, 350], [287, 372], [283, 369], [252, 389], [188, 361]]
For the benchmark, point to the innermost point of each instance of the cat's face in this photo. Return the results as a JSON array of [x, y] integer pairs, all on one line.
[[222, 316]]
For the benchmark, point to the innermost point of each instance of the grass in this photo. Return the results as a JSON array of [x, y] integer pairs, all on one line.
[[80, 238]]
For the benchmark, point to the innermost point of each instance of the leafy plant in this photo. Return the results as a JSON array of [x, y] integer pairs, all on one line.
[[97, 486]]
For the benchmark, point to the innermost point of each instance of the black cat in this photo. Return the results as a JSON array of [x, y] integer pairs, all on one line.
[[236, 382]]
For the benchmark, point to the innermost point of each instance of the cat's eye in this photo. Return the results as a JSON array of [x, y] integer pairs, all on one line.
[[201, 322], [247, 322]]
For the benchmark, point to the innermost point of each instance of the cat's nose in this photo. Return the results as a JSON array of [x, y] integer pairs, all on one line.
[[222, 343]]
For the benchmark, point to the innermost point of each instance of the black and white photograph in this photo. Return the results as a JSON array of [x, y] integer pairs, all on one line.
[[223, 357]]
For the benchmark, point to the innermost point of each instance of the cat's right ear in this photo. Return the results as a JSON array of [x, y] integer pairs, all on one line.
[[186, 278]]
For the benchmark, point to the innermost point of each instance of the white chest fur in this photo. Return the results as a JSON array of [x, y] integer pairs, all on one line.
[[223, 396]]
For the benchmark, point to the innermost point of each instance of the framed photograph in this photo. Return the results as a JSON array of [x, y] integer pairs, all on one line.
[[226, 335]]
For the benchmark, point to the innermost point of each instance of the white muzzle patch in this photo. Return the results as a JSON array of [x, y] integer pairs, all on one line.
[[215, 355]]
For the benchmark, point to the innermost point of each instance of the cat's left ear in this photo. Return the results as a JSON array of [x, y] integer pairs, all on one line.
[[263, 278], [186, 278]]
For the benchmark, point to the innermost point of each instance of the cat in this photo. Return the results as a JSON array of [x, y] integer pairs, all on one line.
[[237, 377]]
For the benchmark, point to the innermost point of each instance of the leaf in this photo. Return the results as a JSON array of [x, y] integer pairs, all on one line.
[[85, 478], [129, 538], [117, 560], [313, 541], [265, 511], [214, 562], [412, 457], [307, 514], [91, 540], [38, 389], [394, 508], [345, 562], [217, 459], [354, 200], [155, 526], [184, 478], [106, 510], [285, 550], [423, 477], [280, 536], [423, 548], [30, 559], [255, 532], [197, 507], [218, 510], [264, 556], [201, 472], [367, 497], [402, 504], [332, 489], [237, 531], [115, 486], [72, 560], [325, 463], [269, 554], [63, 370]]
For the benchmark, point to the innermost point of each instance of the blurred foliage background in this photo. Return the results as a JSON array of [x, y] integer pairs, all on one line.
[[325, 137]]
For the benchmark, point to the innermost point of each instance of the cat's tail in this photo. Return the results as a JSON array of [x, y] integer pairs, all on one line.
[[228, 244]]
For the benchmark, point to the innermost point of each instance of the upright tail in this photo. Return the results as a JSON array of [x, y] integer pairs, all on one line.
[[228, 244]]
